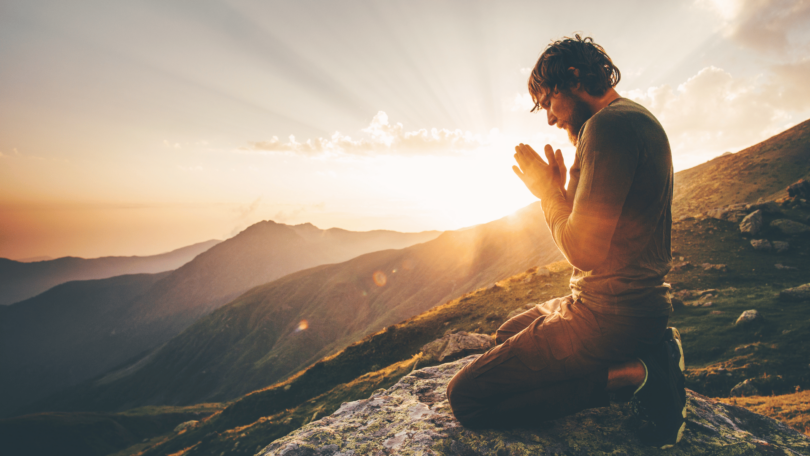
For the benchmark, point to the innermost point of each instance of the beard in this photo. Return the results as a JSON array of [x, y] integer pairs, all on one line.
[[580, 114]]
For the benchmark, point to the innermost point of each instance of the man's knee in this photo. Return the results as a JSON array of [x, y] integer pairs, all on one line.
[[464, 398]]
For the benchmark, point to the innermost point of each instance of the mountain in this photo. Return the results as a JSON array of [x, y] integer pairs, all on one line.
[[281, 327], [71, 332], [20, 280], [760, 171], [81, 329]]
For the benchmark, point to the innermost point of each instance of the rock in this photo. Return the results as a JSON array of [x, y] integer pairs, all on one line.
[[761, 244], [748, 317], [186, 425], [800, 189], [453, 346], [714, 267], [682, 266], [752, 223], [515, 313], [780, 246], [800, 293], [765, 206], [413, 418], [734, 213], [686, 218], [745, 388], [782, 266], [745, 348], [786, 226]]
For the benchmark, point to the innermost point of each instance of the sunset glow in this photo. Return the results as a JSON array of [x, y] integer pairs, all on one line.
[[138, 128]]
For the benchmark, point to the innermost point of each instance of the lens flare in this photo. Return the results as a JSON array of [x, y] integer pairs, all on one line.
[[379, 278], [302, 325]]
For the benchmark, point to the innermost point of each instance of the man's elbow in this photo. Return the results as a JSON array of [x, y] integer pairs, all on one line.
[[586, 261]]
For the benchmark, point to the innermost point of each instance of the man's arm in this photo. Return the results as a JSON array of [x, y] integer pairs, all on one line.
[[583, 229]]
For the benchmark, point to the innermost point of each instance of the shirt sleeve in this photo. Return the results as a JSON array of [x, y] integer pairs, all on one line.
[[583, 228]]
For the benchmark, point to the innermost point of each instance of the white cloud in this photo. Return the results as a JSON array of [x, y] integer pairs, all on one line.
[[762, 25], [521, 103], [714, 112], [382, 138]]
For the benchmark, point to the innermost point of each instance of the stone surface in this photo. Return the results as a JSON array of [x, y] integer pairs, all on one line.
[[800, 293], [734, 213], [413, 418], [780, 246], [745, 388], [766, 206], [747, 317], [782, 266], [786, 226], [682, 266], [454, 346], [752, 223], [761, 244]]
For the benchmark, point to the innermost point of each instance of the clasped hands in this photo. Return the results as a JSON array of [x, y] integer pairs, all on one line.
[[541, 178]]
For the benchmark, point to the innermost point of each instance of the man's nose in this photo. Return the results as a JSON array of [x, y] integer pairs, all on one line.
[[551, 119]]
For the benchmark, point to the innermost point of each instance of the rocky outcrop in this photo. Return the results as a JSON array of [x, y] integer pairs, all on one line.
[[800, 293], [761, 244], [780, 246], [744, 388], [413, 418], [752, 223], [790, 227], [801, 189], [456, 345]]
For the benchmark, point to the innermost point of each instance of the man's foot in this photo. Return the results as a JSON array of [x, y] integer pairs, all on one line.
[[661, 399]]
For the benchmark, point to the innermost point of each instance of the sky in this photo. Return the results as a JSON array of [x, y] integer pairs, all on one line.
[[134, 128]]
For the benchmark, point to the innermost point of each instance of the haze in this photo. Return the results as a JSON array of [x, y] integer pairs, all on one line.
[[133, 128]]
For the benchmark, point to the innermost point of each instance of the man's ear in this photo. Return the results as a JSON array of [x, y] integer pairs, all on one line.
[[576, 75]]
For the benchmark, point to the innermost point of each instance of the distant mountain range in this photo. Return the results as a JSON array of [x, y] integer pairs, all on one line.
[[20, 280], [81, 329], [281, 327]]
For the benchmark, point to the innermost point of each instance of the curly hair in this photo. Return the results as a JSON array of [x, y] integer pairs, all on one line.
[[554, 68]]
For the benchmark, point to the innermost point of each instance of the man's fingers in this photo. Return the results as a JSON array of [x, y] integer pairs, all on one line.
[[519, 174], [558, 157]]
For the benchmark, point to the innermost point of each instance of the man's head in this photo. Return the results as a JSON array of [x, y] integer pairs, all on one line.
[[568, 72]]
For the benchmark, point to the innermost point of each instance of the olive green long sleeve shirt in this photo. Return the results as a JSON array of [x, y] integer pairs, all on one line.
[[614, 222]]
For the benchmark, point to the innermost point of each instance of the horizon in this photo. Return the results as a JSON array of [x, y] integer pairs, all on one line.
[[137, 129]]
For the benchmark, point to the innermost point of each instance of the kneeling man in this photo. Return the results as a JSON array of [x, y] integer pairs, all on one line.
[[609, 338]]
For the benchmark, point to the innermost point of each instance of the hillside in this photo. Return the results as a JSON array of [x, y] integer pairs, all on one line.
[[82, 329], [22, 280], [63, 336], [760, 171], [276, 329]]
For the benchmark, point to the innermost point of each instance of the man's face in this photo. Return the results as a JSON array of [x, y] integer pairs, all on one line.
[[566, 110]]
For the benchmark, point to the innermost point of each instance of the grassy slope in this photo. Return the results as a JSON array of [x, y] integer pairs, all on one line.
[[762, 170], [777, 363], [92, 434], [793, 409]]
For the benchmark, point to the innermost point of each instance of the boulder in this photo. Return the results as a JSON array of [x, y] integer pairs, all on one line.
[[786, 226], [413, 418], [714, 267], [761, 244], [780, 246], [782, 266], [752, 223], [800, 189], [748, 317], [745, 388], [800, 293], [683, 266], [453, 346]]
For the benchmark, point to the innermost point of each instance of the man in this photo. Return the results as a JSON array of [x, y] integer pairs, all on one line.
[[609, 338]]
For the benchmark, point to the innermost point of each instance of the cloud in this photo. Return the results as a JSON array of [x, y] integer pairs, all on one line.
[[713, 112], [521, 103], [247, 210], [762, 25], [382, 138]]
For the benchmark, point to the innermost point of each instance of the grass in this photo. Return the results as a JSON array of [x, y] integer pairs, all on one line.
[[791, 409]]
